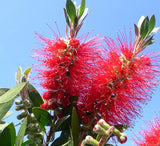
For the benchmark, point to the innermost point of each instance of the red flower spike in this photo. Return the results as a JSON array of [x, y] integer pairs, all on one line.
[[150, 136], [48, 95], [74, 43], [85, 120], [44, 106], [53, 106], [60, 44], [124, 83], [68, 66]]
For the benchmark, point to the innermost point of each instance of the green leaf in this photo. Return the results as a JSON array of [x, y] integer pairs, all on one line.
[[66, 17], [85, 13], [26, 142], [34, 96], [144, 27], [18, 74], [71, 10], [7, 115], [121, 127], [6, 100], [82, 8], [151, 23], [21, 133], [75, 126], [64, 125], [4, 108], [2, 126], [12, 93], [42, 116], [3, 90], [27, 71], [136, 30], [7, 137], [64, 139], [75, 22], [148, 42]]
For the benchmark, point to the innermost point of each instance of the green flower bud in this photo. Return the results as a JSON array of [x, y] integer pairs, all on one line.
[[27, 103], [20, 107], [22, 115], [99, 130], [18, 102], [91, 140]]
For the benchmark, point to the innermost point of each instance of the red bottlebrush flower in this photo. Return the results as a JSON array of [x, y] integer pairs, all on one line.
[[67, 66], [74, 43], [150, 136], [48, 95], [45, 106], [125, 82], [53, 106]]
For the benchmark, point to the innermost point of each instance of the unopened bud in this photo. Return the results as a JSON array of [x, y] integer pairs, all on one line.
[[99, 130], [22, 115], [123, 138], [91, 140], [20, 107], [103, 124], [32, 118], [18, 102], [27, 103]]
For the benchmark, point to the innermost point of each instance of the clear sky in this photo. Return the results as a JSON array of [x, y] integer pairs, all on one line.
[[19, 19]]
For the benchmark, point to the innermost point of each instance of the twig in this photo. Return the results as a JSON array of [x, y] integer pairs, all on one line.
[[105, 137]]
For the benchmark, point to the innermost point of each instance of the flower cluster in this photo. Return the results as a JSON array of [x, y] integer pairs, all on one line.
[[151, 135], [112, 85], [125, 82], [67, 68]]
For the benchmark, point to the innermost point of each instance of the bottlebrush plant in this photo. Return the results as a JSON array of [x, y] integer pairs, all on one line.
[[93, 89]]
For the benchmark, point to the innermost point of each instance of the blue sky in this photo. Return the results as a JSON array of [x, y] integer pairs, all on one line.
[[19, 19]]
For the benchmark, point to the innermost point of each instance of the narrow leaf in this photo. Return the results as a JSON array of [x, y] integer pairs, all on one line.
[[2, 126], [75, 126], [3, 90], [26, 142], [7, 115], [71, 10], [136, 30], [148, 42], [155, 30], [63, 124], [66, 17], [6, 100], [85, 13], [4, 108], [82, 8], [18, 75], [140, 22], [144, 27], [7, 137], [151, 23], [42, 116], [64, 139], [34, 96], [27, 71], [21, 133], [12, 93]]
